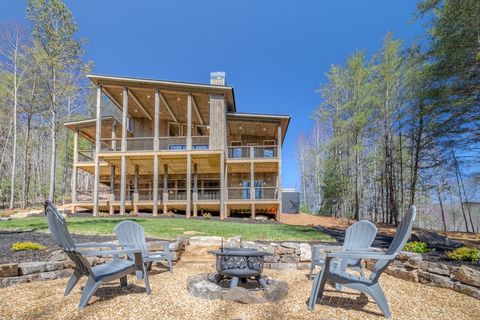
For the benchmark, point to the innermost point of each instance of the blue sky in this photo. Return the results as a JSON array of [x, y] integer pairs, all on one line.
[[275, 53]]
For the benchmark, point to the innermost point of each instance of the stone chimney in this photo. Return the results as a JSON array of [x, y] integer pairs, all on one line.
[[217, 78]]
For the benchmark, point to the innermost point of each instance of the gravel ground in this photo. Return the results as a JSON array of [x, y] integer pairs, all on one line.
[[170, 300]]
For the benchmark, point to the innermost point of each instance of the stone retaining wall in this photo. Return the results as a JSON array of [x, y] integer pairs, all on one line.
[[285, 256], [411, 267]]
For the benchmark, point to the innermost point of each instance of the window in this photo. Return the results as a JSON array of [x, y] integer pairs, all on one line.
[[202, 130], [173, 129]]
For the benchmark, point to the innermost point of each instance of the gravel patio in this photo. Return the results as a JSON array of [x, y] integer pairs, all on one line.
[[170, 300]]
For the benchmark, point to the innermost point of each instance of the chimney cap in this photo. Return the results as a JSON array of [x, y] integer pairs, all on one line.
[[217, 77]]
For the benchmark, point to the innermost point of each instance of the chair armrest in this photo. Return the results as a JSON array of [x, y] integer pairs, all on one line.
[[360, 255], [112, 246], [110, 252]]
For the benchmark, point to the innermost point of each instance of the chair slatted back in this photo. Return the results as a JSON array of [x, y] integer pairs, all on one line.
[[131, 236], [58, 228], [401, 237]]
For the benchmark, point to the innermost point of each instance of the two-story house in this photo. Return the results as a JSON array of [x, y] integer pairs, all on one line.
[[179, 147]]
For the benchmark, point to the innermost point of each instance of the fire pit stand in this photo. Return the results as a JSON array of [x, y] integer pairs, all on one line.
[[239, 264]]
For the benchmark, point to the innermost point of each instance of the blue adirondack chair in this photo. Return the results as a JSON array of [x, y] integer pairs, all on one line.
[[368, 285], [132, 236], [118, 268], [359, 236]]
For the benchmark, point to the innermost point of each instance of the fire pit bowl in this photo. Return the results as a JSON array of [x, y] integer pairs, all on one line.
[[239, 264]]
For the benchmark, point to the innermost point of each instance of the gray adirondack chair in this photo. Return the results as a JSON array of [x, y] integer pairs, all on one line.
[[359, 236], [368, 285], [132, 236], [118, 268]]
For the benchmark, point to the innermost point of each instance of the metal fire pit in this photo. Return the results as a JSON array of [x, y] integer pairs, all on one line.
[[239, 264]]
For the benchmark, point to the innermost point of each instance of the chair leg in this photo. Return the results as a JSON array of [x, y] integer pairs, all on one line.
[[376, 292], [318, 286], [72, 282], [123, 281], [90, 287], [145, 279]]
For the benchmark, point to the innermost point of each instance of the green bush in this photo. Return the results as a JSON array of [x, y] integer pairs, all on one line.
[[416, 246], [27, 245], [464, 254]]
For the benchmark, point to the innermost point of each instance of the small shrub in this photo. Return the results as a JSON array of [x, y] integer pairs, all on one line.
[[27, 245], [103, 214], [169, 214], [207, 215], [464, 254], [416, 246]]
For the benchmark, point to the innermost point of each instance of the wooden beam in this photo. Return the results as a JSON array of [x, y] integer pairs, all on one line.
[[98, 132], [167, 106], [112, 98], [139, 104], [197, 112]]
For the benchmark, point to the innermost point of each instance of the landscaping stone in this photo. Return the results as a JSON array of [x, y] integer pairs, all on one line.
[[206, 290], [271, 258], [203, 241], [435, 279], [276, 290], [468, 290], [289, 258], [57, 255], [305, 252], [260, 247], [242, 295], [468, 275], [234, 242], [8, 270], [303, 266], [402, 273], [283, 266], [39, 266], [292, 245]]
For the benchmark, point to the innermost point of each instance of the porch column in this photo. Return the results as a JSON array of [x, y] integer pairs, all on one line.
[[156, 128], [189, 122], [223, 185], [135, 190], [279, 154], [155, 186], [112, 190], [98, 130], [195, 189], [114, 136], [74, 171], [188, 211], [123, 175], [165, 188], [252, 181]]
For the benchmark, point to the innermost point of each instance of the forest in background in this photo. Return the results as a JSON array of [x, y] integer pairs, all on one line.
[[401, 128]]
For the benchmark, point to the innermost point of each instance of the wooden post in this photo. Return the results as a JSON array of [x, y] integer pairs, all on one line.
[[195, 189], [279, 154], [74, 172], [155, 186], [189, 122], [124, 119], [123, 175], [114, 136], [188, 210], [252, 181], [223, 185], [156, 127], [135, 190], [112, 190], [165, 188], [98, 130]]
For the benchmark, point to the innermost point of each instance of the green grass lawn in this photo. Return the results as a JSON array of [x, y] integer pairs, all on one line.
[[169, 228]]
